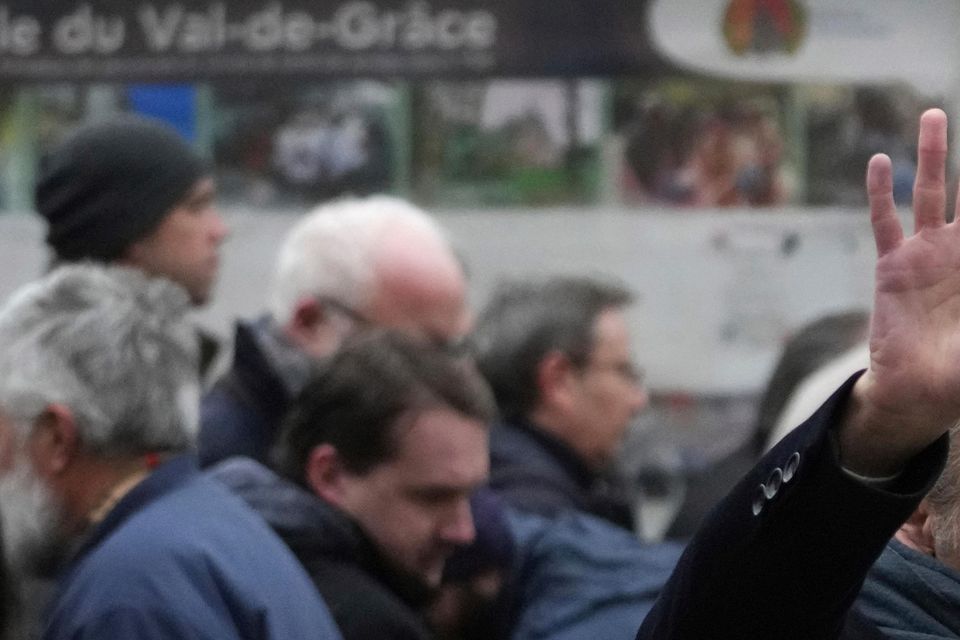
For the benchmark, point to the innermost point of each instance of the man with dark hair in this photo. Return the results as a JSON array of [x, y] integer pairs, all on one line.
[[129, 190], [557, 356], [380, 455], [98, 417]]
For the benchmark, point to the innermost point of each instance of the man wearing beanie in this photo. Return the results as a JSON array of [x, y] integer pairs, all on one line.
[[130, 190]]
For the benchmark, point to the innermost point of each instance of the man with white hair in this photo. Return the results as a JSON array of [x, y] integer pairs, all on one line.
[[348, 265], [98, 412]]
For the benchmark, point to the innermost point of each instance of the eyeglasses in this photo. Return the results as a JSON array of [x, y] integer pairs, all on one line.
[[345, 310], [454, 347]]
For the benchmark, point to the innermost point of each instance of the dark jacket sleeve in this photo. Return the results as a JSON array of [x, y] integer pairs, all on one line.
[[785, 553]]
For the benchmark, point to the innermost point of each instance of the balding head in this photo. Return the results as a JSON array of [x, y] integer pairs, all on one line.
[[377, 261], [420, 287]]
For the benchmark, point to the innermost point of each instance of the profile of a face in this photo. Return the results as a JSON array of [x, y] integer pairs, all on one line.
[[185, 246], [415, 506]]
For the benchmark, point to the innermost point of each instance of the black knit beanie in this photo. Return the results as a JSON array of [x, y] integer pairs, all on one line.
[[110, 184]]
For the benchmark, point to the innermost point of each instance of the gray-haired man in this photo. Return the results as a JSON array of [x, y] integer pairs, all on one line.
[[557, 356], [98, 404], [346, 266]]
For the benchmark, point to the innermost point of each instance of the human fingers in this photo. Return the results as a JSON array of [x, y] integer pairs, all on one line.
[[929, 190], [887, 231]]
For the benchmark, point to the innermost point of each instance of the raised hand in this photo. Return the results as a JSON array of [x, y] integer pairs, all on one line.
[[910, 394]]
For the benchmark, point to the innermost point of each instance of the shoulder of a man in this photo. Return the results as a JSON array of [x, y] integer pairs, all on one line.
[[529, 477], [240, 413], [196, 557]]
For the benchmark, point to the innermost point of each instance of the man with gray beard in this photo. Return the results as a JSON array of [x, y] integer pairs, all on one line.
[[98, 414]]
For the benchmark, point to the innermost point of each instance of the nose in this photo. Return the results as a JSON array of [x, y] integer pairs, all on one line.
[[218, 227], [639, 399], [459, 529]]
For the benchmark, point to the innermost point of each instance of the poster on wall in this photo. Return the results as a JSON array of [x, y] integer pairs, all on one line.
[[690, 141], [687, 141], [509, 142], [775, 102], [314, 143], [689, 105]]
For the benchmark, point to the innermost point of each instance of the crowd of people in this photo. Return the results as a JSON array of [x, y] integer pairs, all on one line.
[[379, 460]]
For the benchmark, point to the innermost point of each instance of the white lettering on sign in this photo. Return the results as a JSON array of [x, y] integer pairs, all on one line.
[[85, 32], [355, 26], [179, 27], [19, 35]]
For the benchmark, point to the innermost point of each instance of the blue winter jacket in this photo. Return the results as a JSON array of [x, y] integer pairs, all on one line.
[[582, 578], [180, 557]]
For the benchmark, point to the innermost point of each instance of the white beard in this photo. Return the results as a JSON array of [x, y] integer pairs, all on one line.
[[31, 521]]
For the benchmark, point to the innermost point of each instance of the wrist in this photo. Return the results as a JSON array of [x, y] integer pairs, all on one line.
[[875, 442]]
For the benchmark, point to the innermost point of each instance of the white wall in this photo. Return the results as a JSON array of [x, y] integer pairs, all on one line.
[[718, 290]]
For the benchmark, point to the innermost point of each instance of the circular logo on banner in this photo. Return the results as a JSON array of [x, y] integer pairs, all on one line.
[[764, 26]]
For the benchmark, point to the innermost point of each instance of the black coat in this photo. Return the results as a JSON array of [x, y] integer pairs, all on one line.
[[786, 552], [368, 598], [534, 472], [242, 413]]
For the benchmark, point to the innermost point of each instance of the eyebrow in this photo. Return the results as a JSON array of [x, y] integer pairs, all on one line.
[[446, 489]]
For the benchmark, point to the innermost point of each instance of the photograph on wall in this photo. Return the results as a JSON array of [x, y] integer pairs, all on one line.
[[310, 144], [695, 142], [846, 126], [508, 142]]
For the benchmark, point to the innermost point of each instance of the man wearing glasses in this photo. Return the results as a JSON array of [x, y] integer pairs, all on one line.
[[348, 265], [557, 355]]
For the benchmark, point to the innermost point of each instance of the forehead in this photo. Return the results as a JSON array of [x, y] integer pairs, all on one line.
[[440, 447], [611, 337], [421, 293], [180, 219], [202, 189]]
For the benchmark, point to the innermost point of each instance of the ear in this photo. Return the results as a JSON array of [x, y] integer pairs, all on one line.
[[917, 531], [554, 374], [311, 328], [54, 441], [307, 317], [325, 474]]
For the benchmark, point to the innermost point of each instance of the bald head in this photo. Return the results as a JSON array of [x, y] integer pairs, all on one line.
[[420, 285], [376, 261]]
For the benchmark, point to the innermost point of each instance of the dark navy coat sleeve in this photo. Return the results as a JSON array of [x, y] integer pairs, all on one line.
[[785, 553]]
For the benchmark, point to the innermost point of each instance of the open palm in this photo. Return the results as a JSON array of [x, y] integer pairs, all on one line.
[[913, 382]]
